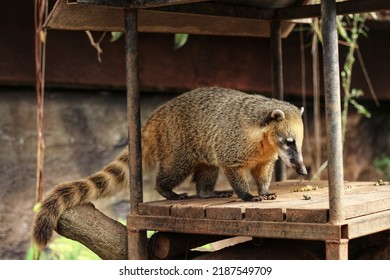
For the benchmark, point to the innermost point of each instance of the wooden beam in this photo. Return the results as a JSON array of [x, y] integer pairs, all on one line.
[[102, 18], [342, 8], [285, 13], [368, 224], [135, 4], [193, 18], [308, 231], [221, 10]]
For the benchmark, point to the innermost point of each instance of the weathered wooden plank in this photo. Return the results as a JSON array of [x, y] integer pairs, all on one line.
[[366, 207], [368, 224], [237, 210], [360, 199], [155, 208], [134, 4], [223, 213], [366, 199], [308, 231], [195, 208], [101, 18], [289, 186], [264, 214], [230, 210], [307, 215]]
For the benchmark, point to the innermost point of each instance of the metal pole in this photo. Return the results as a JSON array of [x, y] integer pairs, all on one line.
[[136, 239], [333, 111], [277, 81]]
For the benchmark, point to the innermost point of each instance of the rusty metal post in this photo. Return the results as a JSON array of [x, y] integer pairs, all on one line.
[[137, 242], [277, 81], [337, 249], [333, 111]]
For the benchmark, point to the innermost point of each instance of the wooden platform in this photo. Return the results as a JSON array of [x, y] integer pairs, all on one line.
[[300, 212]]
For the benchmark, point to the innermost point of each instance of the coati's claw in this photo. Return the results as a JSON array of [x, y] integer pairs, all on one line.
[[269, 196], [180, 196], [256, 199], [170, 195], [251, 198], [215, 194], [223, 193]]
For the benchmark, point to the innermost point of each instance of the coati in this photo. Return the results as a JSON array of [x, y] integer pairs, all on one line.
[[197, 133]]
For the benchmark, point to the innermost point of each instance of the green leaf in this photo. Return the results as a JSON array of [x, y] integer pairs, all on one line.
[[115, 36], [37, 207], [356, 93], [342, 31], [180, 40]]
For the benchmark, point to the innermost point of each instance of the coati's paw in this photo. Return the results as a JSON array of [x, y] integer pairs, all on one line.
[[223, 193], [180, 196], [170, 195], [251, 198], [214, 194], [256, 199], [269, 196]]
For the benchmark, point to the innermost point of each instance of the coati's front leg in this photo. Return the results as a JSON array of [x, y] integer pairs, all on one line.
[[262, 173], [238, 181], [205, 177]]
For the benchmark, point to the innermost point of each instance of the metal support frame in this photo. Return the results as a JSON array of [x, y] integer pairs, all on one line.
[[335, 249], [338, 231], [137, 242], [333, 112], [277, 81]]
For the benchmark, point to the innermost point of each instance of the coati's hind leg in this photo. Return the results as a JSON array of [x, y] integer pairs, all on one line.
[[171, 177], [262, 173], [205, 177]]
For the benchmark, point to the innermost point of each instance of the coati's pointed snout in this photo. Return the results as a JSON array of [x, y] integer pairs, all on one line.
[[298, 165], [300, 169], [290, 155]]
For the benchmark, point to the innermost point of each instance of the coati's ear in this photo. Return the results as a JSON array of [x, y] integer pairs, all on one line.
[[302, 110], [278, 115]]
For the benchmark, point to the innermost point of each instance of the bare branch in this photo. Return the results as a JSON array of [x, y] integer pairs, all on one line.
[[103, 235]]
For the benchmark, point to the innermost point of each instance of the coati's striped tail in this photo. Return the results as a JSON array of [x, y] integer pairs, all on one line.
[[110, 180]]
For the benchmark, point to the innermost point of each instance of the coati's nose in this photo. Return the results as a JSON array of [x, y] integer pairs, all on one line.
[[301, 169]]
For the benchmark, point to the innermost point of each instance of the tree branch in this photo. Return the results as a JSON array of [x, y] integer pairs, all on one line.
[[103, 235]]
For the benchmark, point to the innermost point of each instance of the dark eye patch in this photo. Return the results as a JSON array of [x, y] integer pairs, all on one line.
[[290, 142]]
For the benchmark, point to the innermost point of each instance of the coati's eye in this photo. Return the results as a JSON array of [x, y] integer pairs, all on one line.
[[286, 143], [290, 141]]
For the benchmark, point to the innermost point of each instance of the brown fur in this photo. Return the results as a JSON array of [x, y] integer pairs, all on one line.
[[195, 134]]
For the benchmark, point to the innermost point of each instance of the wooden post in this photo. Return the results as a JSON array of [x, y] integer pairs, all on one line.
[[137, 241], [277, 81]]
